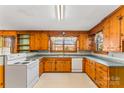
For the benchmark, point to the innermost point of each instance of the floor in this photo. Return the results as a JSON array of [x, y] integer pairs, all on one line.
[[65, 80]]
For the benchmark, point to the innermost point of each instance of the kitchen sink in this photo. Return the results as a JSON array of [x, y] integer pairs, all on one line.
[[17, 63], [25, 62]]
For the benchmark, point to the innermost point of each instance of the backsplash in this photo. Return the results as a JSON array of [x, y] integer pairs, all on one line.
[[111, 57], [116, 54]]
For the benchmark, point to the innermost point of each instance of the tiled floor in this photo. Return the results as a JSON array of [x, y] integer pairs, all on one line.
[[65, 80]]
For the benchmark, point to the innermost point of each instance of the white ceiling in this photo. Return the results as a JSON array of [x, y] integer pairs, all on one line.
[[44, 17]]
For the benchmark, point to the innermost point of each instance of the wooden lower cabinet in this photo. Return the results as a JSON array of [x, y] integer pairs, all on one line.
[[89, 68], [1, 77], [57, 64], [63, 64], [49, 64], [41, 67], [116, 77], [104, 76]]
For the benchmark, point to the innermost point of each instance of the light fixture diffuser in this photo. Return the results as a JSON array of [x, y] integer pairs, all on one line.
[[60, 12]]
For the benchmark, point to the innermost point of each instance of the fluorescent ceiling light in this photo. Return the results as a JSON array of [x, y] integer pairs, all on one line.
[[60, 12]]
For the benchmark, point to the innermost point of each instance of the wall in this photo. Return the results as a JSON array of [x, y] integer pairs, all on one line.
[[39, 40]]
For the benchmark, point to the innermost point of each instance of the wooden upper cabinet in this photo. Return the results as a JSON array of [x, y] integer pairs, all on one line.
[[115, 32], [8, 33], [106, 35], [39, 41], [111, 33], [91, 43], [44, 41], [122, 30], [122, 23], [0, 32], [32, 41], [83, 42]]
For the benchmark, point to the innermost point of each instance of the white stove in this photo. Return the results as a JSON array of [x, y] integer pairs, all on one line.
[[21, 73]]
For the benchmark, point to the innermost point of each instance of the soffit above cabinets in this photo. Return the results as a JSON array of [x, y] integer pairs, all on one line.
[[44, 17]]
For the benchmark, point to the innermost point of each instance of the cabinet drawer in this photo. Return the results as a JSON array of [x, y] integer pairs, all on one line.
[[101, 72], [101, 77], [102, 67], [102, 84]]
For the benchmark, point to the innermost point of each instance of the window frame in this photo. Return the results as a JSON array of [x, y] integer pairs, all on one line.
[[63, 45]]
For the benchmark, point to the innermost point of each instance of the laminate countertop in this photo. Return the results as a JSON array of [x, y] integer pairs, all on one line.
[[110, 63]]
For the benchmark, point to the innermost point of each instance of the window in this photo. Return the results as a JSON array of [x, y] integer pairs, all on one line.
[[63, 44], [99, 41]]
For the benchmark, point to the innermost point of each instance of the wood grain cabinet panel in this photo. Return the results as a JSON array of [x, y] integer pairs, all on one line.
[[116, 77], [60, 66], [57, 65], [122, 23], [83, 42], [101, 75], [8, 33], [1, 77], [104, 76], [106, 33], [90, 68], [41, 70], [115, 32], [44, 41], [49, 65], [112, 31], [39, 41], [122, 29], [67, 64], [32, 41], [1, 32]]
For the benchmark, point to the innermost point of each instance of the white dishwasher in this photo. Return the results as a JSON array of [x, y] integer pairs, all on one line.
[[77, 64]]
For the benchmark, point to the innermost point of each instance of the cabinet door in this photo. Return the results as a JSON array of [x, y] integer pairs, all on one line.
[[122, 30], [67, 66], [44, 41], [106, 34], [83, 42], [59, 66], [122, 23], [39, 41], [49, 65], [92, 70], [1, 76], [102, 75], [32, 41], [115, 32], [40, 68], [63, 64], [122, 35], [84, 64]]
